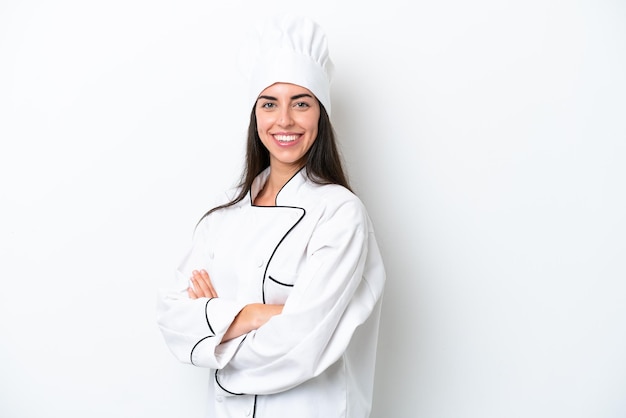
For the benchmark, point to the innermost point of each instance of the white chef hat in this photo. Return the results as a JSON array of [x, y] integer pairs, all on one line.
[[288, 49]]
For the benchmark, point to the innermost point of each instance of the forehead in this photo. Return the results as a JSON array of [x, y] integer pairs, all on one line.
[[285, 89]]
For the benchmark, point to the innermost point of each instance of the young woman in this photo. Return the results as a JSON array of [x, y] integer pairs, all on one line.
[[280, 294]]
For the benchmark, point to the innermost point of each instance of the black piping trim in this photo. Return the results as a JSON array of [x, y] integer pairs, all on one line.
[[222, 387], [280, 283], [206, 314], [254, 408], [278, 245], [284, 236], [194, 347], [281, 189], [218, 381]]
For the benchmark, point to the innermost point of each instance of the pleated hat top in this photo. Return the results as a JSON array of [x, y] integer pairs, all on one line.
[[288, 49]]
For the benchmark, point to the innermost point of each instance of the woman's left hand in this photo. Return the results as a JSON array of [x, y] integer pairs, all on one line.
[[200, 285]]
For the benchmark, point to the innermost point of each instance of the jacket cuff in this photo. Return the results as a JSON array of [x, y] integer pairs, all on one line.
[[208, 352]]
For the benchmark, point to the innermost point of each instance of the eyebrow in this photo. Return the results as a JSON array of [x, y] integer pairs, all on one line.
[[296, 97]]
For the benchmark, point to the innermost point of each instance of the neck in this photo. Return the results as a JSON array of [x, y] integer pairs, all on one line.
[[279, 176]]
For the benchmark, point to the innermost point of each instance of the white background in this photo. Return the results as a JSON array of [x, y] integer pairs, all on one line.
[[486, 138]]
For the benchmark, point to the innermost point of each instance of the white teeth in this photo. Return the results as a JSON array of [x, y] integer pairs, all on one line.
[[286, 138]]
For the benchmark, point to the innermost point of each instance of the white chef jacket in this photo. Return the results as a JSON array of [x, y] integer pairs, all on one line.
[[315, 252]]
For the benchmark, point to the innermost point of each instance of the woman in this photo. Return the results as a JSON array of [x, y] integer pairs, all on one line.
[[280, 294]]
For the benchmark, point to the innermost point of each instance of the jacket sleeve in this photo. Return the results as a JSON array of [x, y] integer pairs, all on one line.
[[334, 294], [193, 328]]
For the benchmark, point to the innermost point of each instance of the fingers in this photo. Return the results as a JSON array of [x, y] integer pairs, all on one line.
[[191, 293], [201, 285], [207, 281]]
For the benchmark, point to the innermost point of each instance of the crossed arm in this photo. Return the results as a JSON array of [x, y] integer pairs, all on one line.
[[251, 317]]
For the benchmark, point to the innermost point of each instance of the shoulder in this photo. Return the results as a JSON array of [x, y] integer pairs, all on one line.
[[336, 203], [332, 194], [217, 200]]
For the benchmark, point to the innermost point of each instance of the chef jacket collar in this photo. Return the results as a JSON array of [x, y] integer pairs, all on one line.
[[287, 195]]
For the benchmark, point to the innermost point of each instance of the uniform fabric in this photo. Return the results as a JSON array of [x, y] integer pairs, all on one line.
[[315, 252]]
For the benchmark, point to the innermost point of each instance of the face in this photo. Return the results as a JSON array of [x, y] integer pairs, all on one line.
[[287, 116]]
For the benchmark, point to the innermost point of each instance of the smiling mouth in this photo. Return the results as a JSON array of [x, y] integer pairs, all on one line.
[[286, 138]]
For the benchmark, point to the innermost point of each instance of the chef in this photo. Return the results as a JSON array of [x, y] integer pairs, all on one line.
[[280, 294]]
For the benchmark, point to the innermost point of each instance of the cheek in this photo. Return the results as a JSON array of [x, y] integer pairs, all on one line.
[[262, 127], [313, 124], [310, 124], [313, 129], [263, 122]]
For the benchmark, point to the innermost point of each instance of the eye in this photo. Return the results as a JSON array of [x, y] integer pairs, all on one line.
[[268, 105], [301, 105]]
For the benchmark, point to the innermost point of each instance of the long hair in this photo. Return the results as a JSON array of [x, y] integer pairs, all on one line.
[[323, 161]]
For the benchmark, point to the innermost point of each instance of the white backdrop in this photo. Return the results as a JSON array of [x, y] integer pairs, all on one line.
[[487, 139]]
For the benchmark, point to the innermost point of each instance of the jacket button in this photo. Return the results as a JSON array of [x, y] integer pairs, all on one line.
[[248, 412], [219, 398], [260, 263]]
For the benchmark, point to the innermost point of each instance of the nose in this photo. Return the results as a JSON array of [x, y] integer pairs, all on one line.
[[285, 118]]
